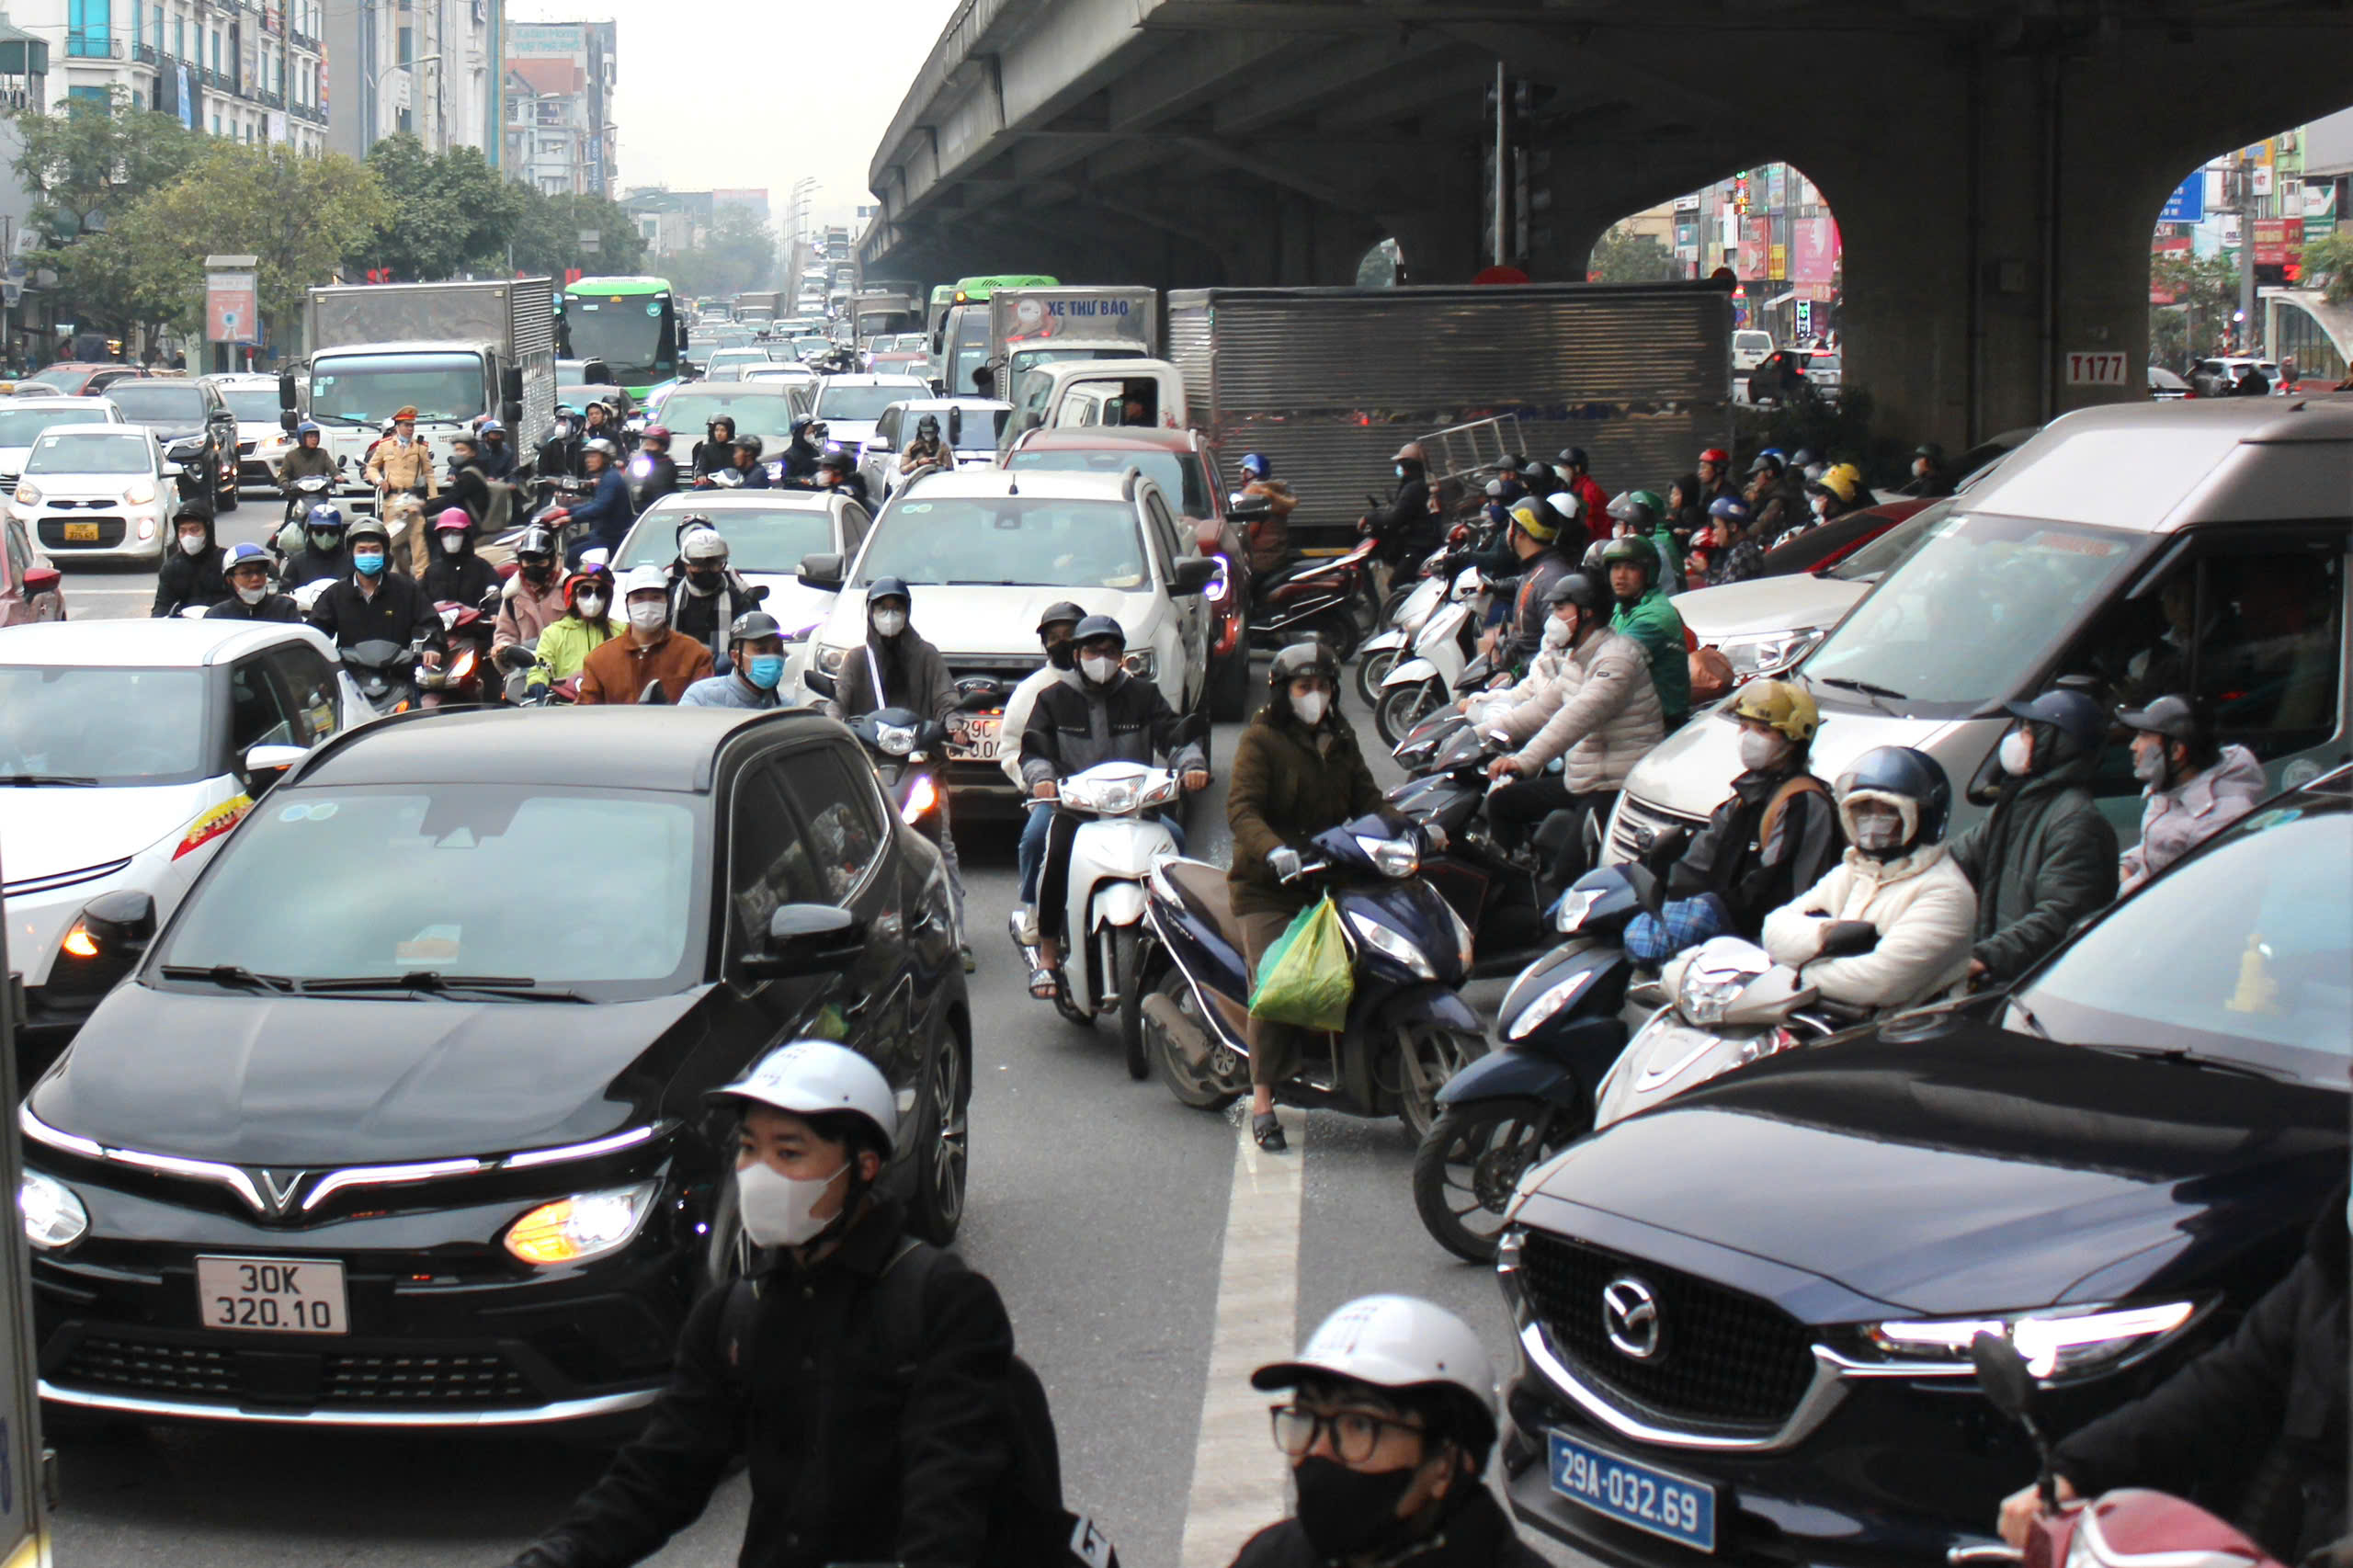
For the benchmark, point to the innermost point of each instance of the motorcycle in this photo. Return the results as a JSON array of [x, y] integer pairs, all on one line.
[[1443, 650], [1414, 607], [464, 677], [1407, 1031], [908, 750], [1494, 893], [1309, 599], [1115, 846], [384, 670], [1733, 1005], [311, 490]]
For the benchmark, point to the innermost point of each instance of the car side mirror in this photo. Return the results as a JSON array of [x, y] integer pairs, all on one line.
[[271, 759], [821, 571], [184, 452], [1192, 576], [39, 580], [806, 938], [2002, 1374], [122, 920], [1844, 939], [880, 444]]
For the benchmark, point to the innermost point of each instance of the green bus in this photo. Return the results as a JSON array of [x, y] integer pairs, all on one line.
[[959, 345], [631, 324]]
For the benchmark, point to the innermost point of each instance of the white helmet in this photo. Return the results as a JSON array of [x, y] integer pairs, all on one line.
[[1567, 503], [814, 1077], [704, 544], [1393, 1342], [641, 578]]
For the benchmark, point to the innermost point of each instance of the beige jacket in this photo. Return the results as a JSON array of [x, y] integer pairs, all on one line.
[[1923, 907], [1605, 720]]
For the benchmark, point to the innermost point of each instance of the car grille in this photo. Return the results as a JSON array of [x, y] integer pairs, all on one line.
[[1724, 1359], [1634, 814], [153, 1370], [481, 1379], [53, 535], [346, 1380]]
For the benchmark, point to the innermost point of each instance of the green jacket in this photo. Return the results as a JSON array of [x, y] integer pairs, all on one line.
[[1288, 784], [565, 645], [2041, 859], [1652, 621]]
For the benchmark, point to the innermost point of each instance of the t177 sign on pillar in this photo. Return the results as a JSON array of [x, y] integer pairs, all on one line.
[[2106, 369]]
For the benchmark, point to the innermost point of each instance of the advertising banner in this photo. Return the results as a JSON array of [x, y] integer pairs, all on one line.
[[1755, 246], [1814, 250], [230, 308]]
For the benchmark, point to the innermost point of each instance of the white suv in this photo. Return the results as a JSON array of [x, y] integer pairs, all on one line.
[[983, 553]]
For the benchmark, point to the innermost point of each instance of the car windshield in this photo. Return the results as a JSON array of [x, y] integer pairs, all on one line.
[[91, 454], [1972, 615], [326, 883], [252, 405], [835, 400], [1890, 549], [1021, 360], [19, 426], [804, 346], [1178, 475], [2244, 952], [758, 408], [761, 538], [158, 403], [367, 389], [1001, 540], [108, 725]]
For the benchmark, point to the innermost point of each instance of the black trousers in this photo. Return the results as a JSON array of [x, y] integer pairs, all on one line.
[[1518, 806]]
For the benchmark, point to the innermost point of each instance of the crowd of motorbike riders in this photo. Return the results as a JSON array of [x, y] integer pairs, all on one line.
[[1392, 1410]]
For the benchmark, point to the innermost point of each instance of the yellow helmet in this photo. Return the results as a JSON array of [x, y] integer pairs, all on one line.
[[1534, 524], [1781, 705], [1843, 480]]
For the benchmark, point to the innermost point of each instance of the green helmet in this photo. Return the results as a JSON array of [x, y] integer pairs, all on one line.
[[1650, 498], [1638, 507], [1632, 551]]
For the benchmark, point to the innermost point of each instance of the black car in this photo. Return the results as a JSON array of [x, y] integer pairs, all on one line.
[[183, 412], [400, 1121], [1745, 1316]]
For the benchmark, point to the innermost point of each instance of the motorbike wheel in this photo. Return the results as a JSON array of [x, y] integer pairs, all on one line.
[[1427, 1055], [1200, 1087], [1402, 707], [1371, 670], [1468, 1167], [1338, 630], [1128, 952]]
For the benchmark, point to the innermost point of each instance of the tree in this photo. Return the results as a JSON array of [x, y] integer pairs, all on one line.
[[548, 230], [2328, 267], [2203, 291], [1622, 255], [737, 252], [299, 215], [451, 212], [88, 161]]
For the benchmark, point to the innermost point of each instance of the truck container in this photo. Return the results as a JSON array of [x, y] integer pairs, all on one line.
[[454, 351], [1329, 382], [756, 305], [1029, 327], [882, 313]]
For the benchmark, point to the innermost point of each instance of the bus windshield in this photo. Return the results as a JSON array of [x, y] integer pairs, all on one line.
[[634, 333]]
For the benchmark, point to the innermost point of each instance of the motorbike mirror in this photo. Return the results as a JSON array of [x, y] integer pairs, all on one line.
[[931, 736], [514, 656], [1845, 937], [820, 682], [653, 694], [2002, 1375], [1649, 891], [1250, 510], [759, 595]]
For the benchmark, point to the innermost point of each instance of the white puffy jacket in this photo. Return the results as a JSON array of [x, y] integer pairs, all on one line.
[[1923, 907]]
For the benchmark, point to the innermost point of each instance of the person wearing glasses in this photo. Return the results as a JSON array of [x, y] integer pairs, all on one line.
[[1388, 1426]]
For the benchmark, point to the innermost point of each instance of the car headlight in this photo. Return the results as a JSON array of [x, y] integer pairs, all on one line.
[[585, 1225], [829, 658], [1390, 857], [1553, 999], [1706, 992], [141, 492], [1144, 664], [2058, 1345], [55, 1217], [898, 739], [1392, 944], [28, 494], [1770, 653]]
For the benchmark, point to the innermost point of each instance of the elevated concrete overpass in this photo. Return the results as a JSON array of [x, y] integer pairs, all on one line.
[[1994, 165]]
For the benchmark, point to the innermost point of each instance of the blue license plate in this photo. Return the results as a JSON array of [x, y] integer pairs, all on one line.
[[1674, 1506]]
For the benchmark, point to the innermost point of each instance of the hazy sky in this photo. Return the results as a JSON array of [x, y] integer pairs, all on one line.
[[743, 93]]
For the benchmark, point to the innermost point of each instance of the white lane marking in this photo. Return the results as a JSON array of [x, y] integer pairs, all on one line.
[[1238, 1478]]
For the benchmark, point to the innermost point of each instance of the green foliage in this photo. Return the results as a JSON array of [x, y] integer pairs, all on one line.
[[547, 236], [451, 212], [738, 252], [2205, 291], [1622, 255], [88, 161], [2328, 267]]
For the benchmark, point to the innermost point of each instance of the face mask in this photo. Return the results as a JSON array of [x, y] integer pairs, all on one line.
[[1557, 633], [592, 607], [890, 622], [1876, 833], [367, 564], [1063, 655], [538, 572], [192, 543], [703, 583], [1758, 752], [765, 670], [402, 437], [647, 615], [1820, 506], [1311, 708], [451, 544], [254, 595], [1401, 470], [1347, 1513], [2017, 753], [325, 542], [776, 1207], [2149, 766], [1098, 668]]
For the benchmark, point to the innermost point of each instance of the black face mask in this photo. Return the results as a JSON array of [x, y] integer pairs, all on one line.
[[1347, 1513], [704, 582], [1063, 655], [537, 574]]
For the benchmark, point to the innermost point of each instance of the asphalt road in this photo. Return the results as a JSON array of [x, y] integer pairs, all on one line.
[[1104, 1210], [98, 592]]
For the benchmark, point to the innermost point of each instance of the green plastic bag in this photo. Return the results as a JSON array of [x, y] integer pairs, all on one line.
[[1306, 977]]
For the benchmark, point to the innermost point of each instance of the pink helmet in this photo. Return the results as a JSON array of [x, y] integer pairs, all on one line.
[[455, 517]]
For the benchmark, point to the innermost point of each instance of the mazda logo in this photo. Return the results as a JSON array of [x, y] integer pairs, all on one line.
[[1630, 1317]]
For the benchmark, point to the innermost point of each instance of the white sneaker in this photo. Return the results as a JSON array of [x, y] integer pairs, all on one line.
[[1029, 925]]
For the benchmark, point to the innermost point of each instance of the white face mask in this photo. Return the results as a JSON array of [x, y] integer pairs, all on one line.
[[1557, 633], [453, 542], [592, 607], [192, 543], [1821, 505], [1310, 708], [2017, 753], [777, 1208], [1759, 752], [648, 614], [254, 595], [1877, 832], [1098, 669], [890, 622]]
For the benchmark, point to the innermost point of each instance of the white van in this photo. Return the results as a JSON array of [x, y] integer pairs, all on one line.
[[1749, 348], [1149, 393]]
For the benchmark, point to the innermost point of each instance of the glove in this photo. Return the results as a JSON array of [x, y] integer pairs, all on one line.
[[1283, 861]]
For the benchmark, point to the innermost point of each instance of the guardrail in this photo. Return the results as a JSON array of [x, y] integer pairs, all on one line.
[[81, 47]]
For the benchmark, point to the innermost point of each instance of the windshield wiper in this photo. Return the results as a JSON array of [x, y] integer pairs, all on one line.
[[507, 987], [228, 976], [1866, 688], [2026, 1016], [34, 780], [2184, 1057]]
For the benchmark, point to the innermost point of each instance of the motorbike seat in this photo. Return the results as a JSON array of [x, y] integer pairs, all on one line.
[[1204, 888]]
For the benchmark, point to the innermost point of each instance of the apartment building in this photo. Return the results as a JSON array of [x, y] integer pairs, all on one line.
[[559, 130]]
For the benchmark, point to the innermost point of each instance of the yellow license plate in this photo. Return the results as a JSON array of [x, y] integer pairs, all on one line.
[[80, 531]]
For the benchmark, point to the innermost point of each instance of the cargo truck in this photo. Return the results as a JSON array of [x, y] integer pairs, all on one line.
[[757, 307], [1029, 327], [882, 313], [453, 351], [1329, 382]]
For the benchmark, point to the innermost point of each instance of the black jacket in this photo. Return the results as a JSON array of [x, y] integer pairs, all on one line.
[[1404, 526], [852, 1459], [1477, 1534], [661, 479], [306, 566], [2041, 859], [710, 456], [277, 606], [1754, 875], [398, 613], [800, 460], [2262, 1415], [467, 488], [184, 579], [498, 460], [1073, 727], [467, 579]]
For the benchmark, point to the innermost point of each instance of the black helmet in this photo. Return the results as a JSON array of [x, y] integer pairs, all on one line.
[[835, 459], [1100, 626], [927, 425], [1058, 612], [1767, 462], [1911, 779], [1930, 451], [2078, 721], [1513, 463], [800, 423], [753, 624], [1572, 457], [1577, 588], [888, 588], [1311, 658], [2176, 718], [535, 540], [749, 444]]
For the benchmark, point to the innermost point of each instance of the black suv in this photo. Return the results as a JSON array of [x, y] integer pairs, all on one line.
[[1746, 1315], [181, 411], [399, 1119]]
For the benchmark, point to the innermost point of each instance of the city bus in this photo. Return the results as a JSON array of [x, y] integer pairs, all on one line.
[[960, 345], [631, 324]]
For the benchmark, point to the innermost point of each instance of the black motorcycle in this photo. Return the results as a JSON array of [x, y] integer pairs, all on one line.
[[908, 752], [1494, 892], [385, 672]]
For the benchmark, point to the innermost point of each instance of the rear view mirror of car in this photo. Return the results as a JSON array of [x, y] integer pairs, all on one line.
[[1192, 576], [806, 938], [263, 764], [821, 571], [121, 920]]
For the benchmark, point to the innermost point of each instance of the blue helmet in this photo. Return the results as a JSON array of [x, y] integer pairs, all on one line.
[[323, 518], [308, 427], [246, 555], [1256, 465], [1904, 777], [2080, 722], [1733, 510]]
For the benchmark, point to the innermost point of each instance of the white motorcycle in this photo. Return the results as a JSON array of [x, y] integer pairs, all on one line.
[[1114, 850], [1382, 653], [1422, 685]]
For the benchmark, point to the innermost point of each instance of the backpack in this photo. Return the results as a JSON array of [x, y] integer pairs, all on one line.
[[1029, 1527]]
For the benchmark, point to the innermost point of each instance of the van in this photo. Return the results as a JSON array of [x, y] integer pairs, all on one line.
[[1149, 393], [1749, 347], [2132, 549]]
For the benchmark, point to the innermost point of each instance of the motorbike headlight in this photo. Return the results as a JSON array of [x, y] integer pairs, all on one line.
[[1568, 915], [1553, 999], [1706, 992], [1770, 653], [54, 1219], [896, 739], [1392, 945], [2058, 1345], [829, 658], [1391, 857], [922, 796], [1144, 664], [585, 1225], [1159, 792]]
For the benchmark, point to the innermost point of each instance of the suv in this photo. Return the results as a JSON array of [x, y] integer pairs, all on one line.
[[262, 442], [1181, 464], [2218, 377], [181, 412], [423, 1153], [985, 552]]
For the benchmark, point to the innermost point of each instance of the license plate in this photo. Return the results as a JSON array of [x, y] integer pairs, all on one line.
[[1674, 1506], [271, 1295], [80, 532], [980, 739]]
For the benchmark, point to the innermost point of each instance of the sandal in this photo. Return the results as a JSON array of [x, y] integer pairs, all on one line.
[[1267, 1128], [1043, 985]]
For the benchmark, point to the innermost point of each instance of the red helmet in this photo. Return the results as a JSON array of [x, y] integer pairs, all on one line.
[[1717, 456], [585, 577], [656, 432]]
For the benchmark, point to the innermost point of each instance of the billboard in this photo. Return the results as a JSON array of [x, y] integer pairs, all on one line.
[[1755, 246], [1813, 249], [2188, 203], [229, 312]]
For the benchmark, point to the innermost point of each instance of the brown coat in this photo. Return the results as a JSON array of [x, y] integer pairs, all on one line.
[[618, 670], [1288, 784]]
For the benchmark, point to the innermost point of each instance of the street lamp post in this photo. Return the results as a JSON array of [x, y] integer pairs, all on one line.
[[376, 84]]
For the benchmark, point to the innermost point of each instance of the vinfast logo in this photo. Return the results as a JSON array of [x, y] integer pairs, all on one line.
[[1630, 1317]]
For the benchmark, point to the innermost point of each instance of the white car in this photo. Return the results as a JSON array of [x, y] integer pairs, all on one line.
[[983, 553], [1766, 624], [850, 407], [795, 375], [96, 492], [128, 748], [262, 441], [729, 363], [767, 532], [968, 424], [24, 418]]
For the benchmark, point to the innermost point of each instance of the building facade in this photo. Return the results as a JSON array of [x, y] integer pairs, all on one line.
[[427, 67], [559, 130], [249, 71]]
